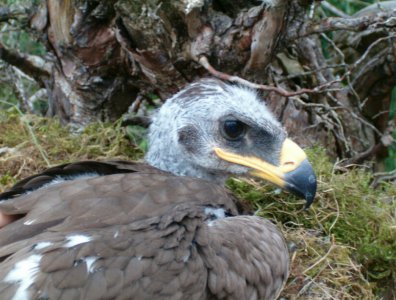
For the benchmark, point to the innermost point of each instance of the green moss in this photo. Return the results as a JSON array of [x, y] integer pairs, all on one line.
[[7, 179], [21, 151], [350, 219]]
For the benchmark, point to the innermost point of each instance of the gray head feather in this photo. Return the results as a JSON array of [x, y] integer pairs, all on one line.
[[187, 128]]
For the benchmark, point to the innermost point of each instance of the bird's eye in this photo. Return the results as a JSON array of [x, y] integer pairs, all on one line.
[[233, 129]]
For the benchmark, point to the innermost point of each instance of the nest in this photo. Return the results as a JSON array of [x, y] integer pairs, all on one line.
[[343, 247]]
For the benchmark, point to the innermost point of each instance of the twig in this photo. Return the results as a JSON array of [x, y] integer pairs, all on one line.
[[342, 56], [31, 65], [203, 61], [320, 260], [385, 141], [334, 10], [360, 157], [368, 50], [383, 176], [328, 295], [136, 104], [346, 76], [354, 115], [310, 72], [40, 94], [19, 89], [380, 114], [318, 89], [361, 105], [348, 24], [312, 10]]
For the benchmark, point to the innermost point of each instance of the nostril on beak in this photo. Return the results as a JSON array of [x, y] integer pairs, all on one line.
[[289, 163]]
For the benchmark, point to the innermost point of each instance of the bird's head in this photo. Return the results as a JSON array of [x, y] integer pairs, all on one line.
[[212, 130]]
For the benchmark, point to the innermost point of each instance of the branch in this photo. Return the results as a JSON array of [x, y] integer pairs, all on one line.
[[385, 141], [16, 82], [377, 59], [311, 72], [382, 19], [31, 65], [383, 176], [333, 9], [203, 61], [363, 156]]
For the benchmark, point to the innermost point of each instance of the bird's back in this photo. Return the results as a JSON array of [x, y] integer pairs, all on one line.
[[144, 234]]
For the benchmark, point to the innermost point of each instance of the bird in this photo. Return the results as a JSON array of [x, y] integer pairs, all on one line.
[[166, 228]]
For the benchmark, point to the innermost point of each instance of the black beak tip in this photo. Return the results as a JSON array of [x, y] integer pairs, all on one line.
[[309, 198], [302, 182]]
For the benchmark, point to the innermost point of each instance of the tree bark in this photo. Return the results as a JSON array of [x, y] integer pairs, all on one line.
[[106, 54]]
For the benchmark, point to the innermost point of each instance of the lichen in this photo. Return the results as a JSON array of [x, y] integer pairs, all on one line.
[[189, 5]]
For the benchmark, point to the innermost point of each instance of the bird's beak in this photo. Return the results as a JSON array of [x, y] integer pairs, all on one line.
[[294, 173]]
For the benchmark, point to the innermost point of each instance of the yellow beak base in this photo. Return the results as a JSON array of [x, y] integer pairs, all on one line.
[[294, 172]]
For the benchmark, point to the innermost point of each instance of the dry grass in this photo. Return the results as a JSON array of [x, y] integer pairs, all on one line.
[[20, 154], [344, 247]]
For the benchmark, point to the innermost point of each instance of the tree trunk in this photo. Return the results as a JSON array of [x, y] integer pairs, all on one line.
[[106, 54]]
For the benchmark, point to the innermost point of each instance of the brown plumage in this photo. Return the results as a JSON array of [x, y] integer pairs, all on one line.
[[123, 230], [148, 235]]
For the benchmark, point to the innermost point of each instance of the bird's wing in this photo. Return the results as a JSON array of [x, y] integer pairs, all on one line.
[[246, 258], [104, 200], [95, 237], [73, 170]]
